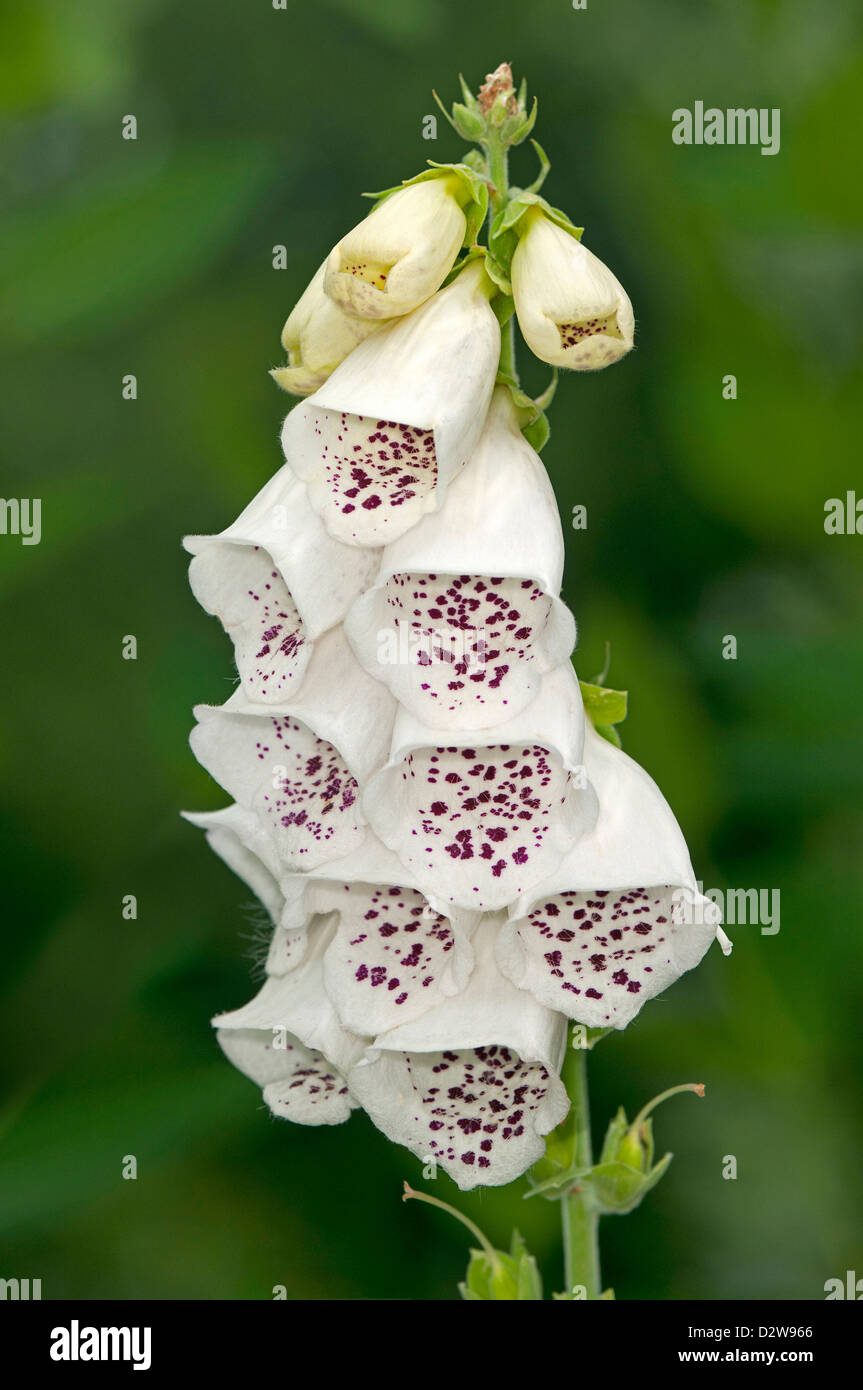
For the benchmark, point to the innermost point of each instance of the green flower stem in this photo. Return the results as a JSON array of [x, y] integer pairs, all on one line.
[[696, 1086], [507, 349], [488, 1249], [497, 159], [497, 164], [578, 1207]]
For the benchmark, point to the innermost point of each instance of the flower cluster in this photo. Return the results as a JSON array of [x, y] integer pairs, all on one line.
[[454, 860]]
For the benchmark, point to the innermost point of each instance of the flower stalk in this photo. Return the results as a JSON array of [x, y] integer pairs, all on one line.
[[578, 1208]]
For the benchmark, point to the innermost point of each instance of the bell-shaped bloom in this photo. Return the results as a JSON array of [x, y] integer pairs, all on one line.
[[238, 839], [621, 918], [572, 311], [299, 769], [382, 439], [474, 1084], [289, 1041], [396, 952], [276, 580], [486, 818], [397, 257], [465, 618], [317, 337], [392, 952]]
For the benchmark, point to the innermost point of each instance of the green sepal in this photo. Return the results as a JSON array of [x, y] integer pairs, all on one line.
[[538, 433], [515, 129], [532, 419], [475, 205], [523, 200], [605, 708], [556, 1185], [469, 124], [509, 1278], [548, 395], [544, 167], [502, 303], [619, 1189], [610, 734], [613, 1135]]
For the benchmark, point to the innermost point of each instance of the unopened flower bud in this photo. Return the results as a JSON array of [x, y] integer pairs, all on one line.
[[572, 311], [317, 337], [402, 252]]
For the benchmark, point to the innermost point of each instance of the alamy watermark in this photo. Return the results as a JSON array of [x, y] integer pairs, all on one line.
[[21, 516], [736, 125], [754, 907]]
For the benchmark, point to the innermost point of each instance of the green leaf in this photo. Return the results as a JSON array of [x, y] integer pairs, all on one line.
[[604, 706]]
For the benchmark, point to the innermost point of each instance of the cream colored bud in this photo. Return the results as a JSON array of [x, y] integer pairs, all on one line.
[[572, 311], [317, 337], [399, 255]]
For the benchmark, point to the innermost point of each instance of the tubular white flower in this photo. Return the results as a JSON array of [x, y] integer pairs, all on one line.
[[396, 951], [465, 616], [289, 1041], [318, 336], [234, 834], [380, 442], [276, 581], [397, 257], [488, 817], [299, 769], [572, 311], [474, 1084], [621, 918]]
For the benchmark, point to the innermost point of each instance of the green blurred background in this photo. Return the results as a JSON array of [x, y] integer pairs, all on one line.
[[259, 126]]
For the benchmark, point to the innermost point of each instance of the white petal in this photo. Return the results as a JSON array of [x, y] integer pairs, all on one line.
[[317, 337], [474, 1085], [380, 442], [298, 1083], [400, 254], [393, 956], [231, 832], [298, 769], [289, 1040], [237, 837], [276, 580], [605, 931], [572, 310], [485, 818], [465, 616]]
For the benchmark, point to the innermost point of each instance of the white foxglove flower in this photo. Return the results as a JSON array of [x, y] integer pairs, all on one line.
[[299, 768], [465, 617], [621, 918], [397, 257], [289, 1041], [396, 952], [474, 1084], [380, 442], [572, 311], [393, 952], [485, 818], [236, 836], [276, 580], [317, 337]]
